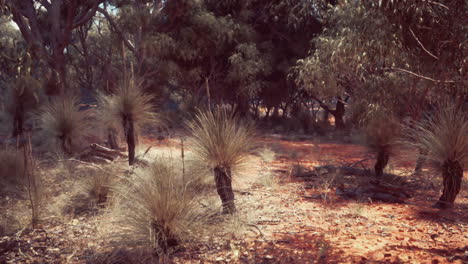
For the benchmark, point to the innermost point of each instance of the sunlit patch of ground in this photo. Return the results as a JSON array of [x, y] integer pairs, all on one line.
[[281, 218]]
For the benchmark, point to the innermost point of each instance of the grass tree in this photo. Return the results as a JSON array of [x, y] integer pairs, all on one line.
[[128, 109], [62, 119], [444, 137], [223, 141], [159, 210], [22, 98], [381, 136]]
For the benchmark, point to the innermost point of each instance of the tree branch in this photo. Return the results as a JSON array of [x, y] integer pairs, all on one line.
[[418, 75], [117, 30], [422, 46], [88, 15]]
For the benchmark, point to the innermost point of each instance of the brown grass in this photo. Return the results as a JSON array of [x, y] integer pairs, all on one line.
[[64, 123], [129, 101], [443, 135], [159, 210], [220, 138]]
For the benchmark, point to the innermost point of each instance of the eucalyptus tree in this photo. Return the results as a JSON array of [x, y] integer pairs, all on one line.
[[47, 27]]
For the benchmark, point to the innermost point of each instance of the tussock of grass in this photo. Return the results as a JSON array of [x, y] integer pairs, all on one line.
[[156, 208], [62, 120], [382, 133], [220, 138], [129, 101], [443, 135]]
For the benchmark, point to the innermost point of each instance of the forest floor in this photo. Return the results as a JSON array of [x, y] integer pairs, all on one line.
[[298, 202]]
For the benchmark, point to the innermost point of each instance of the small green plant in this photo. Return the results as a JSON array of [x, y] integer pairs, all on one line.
[[222, 141], [128, 109], [62, 120]]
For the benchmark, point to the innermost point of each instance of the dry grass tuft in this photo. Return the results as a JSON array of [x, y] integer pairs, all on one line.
[[443, 135], [382, 133], [62, 120], [157, 209], [220, 138], [129, 101]]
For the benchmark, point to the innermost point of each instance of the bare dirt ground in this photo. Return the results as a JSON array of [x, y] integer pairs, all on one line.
[[293, 208]]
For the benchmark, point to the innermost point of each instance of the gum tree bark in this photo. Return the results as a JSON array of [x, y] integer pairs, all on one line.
[[223, 181]]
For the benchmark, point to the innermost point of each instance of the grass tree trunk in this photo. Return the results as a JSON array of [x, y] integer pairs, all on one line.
[[131, 140], [223, 181], [452, 173], [381, 163], [338, 114], [420, 162], [112, 139], [18, 120]]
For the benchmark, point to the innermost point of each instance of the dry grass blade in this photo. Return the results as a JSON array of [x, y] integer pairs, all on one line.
[[62, 120], [156, 208], [220, 138]]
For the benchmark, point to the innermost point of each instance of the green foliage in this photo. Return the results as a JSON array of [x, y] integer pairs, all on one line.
[[220, 138]]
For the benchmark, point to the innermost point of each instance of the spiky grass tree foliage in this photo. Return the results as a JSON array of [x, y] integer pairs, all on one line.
[[158, 209], [127, 110], [220, 139], [382, 132], [444, 137], [62, 120], [22, 98]]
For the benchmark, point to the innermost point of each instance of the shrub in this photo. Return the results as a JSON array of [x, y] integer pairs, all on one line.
[[221, 140], [62, 120], [444, 137], [158, 209], [127, 110]]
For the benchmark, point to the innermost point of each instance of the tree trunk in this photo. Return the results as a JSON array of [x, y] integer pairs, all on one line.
[[112, 139], [223, 181], [420, 162], [382, 161], [338, 114], [131, 141], [18, 120], [452, 172]]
